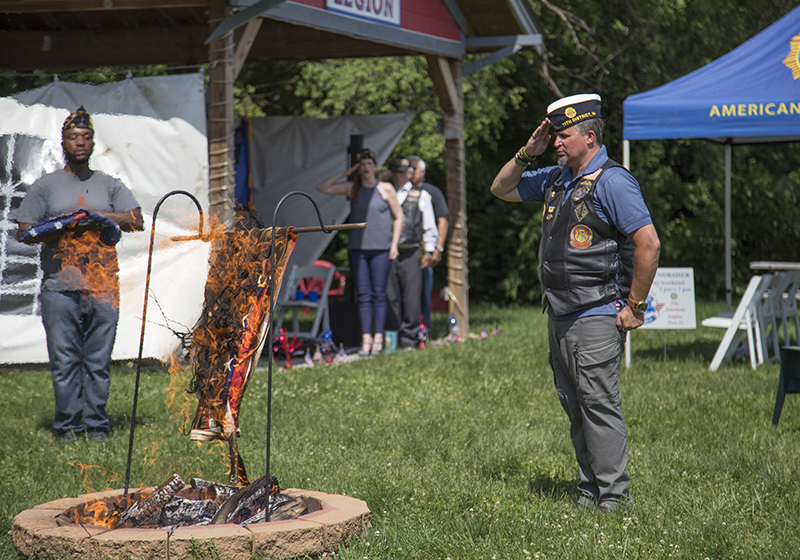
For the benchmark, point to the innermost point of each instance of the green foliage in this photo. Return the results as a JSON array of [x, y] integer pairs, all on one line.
[[616, 48], [461, 450]]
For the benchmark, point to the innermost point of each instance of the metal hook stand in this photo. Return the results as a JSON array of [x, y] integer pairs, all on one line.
[[144, 317], [270, 334]]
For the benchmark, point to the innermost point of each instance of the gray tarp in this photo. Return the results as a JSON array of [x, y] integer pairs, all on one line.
[[296, 153]]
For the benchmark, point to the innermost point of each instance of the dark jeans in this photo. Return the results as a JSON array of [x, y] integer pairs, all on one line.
[[405, 287], [80, 337], [371, 274], [427, 290]]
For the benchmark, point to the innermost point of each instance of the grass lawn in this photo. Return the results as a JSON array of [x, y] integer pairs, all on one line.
[[462, 451]]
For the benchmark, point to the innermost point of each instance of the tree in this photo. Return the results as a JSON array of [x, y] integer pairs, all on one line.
[[617, 48]]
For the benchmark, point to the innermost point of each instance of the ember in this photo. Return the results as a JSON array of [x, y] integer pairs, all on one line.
[[174, 504]]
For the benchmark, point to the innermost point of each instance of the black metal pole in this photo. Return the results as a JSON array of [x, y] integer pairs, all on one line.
[[270, 334], [144, 321]]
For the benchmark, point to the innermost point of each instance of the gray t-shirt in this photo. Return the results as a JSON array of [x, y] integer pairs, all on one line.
[[77, 261]]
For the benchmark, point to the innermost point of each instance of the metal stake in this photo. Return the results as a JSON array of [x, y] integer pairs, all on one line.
[[144, 319]]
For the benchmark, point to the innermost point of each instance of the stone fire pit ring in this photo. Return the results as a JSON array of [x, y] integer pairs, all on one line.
[[331, 521]]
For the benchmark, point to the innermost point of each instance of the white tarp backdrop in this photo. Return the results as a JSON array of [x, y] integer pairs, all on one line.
[[296, 153], [151, 134]]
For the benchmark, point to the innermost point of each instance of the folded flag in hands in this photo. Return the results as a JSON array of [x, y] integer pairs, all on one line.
[[109, 235]]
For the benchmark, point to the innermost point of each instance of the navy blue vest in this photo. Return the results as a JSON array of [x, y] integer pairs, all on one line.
[[583, 261]]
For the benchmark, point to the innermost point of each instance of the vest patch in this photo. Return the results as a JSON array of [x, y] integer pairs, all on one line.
[[581, 211], [582, 189], [550, 210], [580, 237]]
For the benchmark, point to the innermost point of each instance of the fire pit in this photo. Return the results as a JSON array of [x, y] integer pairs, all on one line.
[[235, 520], [331, 520]]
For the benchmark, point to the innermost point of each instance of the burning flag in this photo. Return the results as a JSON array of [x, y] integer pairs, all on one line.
[[229, 336]]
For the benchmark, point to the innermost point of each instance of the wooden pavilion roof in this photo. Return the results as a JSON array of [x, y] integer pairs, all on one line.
[[65, 34]]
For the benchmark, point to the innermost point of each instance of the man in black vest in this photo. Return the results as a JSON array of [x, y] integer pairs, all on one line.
[[416, 246], [597, 259]]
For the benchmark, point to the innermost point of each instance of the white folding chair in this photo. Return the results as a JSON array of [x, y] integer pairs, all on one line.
[[788, 311], [315, 278], [743, 322], [771, 314]]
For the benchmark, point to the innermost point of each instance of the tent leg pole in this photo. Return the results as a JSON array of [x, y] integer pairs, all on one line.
[[728, 281], [626, 154]]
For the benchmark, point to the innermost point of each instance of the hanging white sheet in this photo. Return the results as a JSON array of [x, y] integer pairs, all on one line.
[[151, 134]]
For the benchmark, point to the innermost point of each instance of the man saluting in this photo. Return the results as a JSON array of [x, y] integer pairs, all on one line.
[[597, 259]]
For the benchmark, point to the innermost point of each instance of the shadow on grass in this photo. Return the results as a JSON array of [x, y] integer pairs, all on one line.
[[558, 488], [119, 422], [683, 351]]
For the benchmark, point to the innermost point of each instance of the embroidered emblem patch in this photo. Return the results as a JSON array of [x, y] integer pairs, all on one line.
[[570, 112], [592, 176], [580, 237], [581, 210], [582, 189]]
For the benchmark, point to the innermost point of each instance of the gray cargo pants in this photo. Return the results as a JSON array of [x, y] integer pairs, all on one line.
[[585, 356]]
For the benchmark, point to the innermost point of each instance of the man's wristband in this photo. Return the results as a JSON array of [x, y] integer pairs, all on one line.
[[440, 248], [518, 161], [522, 159], [525, 156]]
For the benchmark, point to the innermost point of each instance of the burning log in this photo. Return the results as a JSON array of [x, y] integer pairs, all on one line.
[[145, 513], [247, 501], [281, 507], [180, 512], [173, 505]]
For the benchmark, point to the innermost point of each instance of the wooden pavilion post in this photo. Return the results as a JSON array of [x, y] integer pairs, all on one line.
[[220, 119], [446, 75]]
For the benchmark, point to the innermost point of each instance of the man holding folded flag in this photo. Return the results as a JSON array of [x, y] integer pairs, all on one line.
[[77, 215]]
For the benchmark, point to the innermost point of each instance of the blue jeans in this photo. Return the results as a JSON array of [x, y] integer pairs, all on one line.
[[427, 290], [80, 336], [371, 274]]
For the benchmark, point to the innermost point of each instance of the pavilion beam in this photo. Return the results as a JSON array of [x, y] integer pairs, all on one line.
[[446, 76], [36, 6], [220, 119], [245, 44], [102, 47]]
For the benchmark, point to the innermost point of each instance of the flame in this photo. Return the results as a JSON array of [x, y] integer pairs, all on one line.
[[103, 512], [87, 470], [177, 397], [89, 263]]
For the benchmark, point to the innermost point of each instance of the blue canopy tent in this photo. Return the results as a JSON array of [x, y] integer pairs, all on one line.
[[750, 95]]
